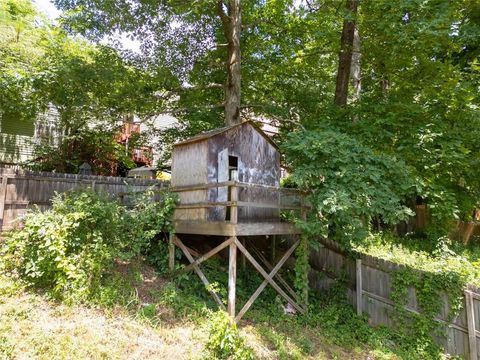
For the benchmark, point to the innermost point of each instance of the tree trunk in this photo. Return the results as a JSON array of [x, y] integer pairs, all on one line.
[[232, 24], [355, 69], [384, 82], [345, 55]]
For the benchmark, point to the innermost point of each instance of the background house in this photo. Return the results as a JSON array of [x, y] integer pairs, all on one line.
[[18, 137]]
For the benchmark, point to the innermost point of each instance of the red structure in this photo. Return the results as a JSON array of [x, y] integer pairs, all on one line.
[[141, 155]]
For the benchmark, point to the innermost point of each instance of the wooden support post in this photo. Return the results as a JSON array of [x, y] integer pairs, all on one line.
[[93, 185], [359, 287], [243, 261], [233, 207], [274, 245], [472, 339], [468, 232], [171, 252], [232, 278], [3, 195]]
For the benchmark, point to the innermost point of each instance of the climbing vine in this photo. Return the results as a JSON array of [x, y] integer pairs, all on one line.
[[302, 267], [420, 328]]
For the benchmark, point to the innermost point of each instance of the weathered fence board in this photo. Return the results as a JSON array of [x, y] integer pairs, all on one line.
[[22, 190], [459, 337]]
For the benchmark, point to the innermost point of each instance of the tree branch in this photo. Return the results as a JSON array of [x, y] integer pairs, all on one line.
[[194, 108], [221, 13]]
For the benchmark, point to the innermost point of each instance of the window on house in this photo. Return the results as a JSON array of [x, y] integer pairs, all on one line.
[[12, 123], [232, 168]]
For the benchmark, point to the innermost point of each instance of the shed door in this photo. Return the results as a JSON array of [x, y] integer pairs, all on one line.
[[222, 194]]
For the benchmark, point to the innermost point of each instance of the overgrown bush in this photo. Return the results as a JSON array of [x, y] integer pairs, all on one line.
[[224, 340], [349, 184], [68, 249]]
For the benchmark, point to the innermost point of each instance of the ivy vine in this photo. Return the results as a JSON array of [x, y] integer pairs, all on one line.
[[421, 328], [302, 268]]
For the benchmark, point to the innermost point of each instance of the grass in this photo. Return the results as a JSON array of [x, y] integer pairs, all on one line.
[[140, 315], [33, 327]]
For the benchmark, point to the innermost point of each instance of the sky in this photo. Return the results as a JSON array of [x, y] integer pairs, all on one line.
[[52, 12], [47, 7]]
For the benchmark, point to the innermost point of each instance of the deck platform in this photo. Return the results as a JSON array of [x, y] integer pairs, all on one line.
[[221, 228]]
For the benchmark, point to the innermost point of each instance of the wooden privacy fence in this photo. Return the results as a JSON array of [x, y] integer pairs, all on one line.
[[21, 190], [369, 291]]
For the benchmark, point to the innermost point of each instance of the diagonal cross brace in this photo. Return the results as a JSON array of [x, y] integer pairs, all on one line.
[[208, 255], [266, 281], [199, 272], [268, 278], [277, 275]]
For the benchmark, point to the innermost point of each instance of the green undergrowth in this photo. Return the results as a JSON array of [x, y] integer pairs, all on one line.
[[330, 326], [436, 270], [440, 257], [69, 251]]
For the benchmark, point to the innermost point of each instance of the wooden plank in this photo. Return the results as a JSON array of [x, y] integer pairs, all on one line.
[[201, 186], [233, 208], [198, 205], [3, 195], [265, 275], [232, 276], [476, 296], [204, 228], [199, 272], [268, 206], [391, 303], [267, 280], [281, 189], [472, 341], [266, 228], [234, 183], [358, 263]]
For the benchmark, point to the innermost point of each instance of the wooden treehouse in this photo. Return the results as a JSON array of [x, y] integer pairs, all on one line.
[[228, 182]]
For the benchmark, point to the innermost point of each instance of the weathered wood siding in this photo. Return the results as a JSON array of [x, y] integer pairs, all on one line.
[[376, 286], [21, 190], [205, 160], [189, 167], [258, 163]]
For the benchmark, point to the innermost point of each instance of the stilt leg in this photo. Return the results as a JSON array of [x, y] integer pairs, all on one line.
[[274, 246], [171, 252], [232, 279], [243, 261]]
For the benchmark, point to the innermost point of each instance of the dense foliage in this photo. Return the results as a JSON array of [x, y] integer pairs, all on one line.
[[68, 249], [349, 184], [417, 108]]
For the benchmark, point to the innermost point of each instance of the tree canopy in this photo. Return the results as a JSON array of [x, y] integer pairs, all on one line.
[[413, 101]]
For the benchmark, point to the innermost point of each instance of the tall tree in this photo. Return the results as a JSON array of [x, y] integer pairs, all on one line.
[[232, 27], [175, 33], [345, 54]]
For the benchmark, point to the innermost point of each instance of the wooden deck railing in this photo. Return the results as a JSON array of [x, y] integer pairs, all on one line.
[[240, 195]]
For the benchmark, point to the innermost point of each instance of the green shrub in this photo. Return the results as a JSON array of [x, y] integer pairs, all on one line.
[[224, 340], [69, 248], [349, 184]]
